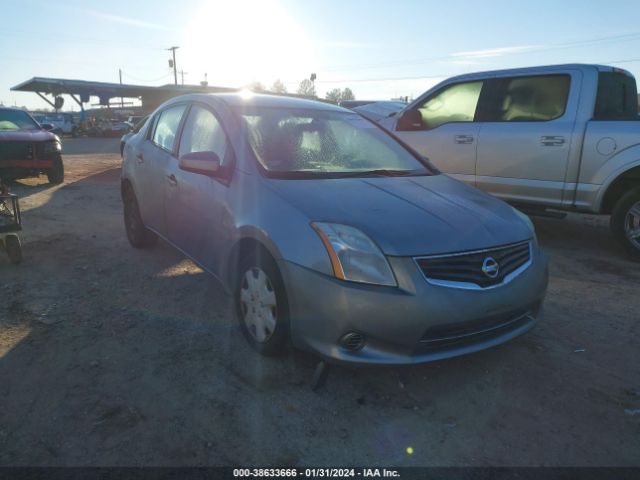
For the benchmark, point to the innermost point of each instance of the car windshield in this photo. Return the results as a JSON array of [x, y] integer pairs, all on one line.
[[323, 143], [16, 120]]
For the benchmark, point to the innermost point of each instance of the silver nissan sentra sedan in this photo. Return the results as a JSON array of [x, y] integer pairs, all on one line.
[[330, 234]]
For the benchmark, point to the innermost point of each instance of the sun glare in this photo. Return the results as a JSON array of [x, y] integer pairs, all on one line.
[[238, 42]]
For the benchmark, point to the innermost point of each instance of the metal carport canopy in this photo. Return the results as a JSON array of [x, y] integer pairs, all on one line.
[[150, 96]]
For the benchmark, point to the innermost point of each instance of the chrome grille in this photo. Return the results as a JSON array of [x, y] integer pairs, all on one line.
[[477, 269]]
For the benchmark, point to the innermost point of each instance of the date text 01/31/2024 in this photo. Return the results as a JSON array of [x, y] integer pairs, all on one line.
[[315, 472]]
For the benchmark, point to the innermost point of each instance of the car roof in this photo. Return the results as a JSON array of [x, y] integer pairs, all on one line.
[[264, 101]]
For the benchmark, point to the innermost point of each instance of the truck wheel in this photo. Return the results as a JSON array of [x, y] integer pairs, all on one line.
[[14, 249], [139, 236], [56, 173], [625, 222]]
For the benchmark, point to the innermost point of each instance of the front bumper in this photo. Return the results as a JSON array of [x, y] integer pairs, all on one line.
[[414, 322]]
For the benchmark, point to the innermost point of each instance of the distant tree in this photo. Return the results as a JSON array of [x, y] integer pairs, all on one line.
[[307, 88], [347, 94], [256, 87], [278, 87], [334, 95]]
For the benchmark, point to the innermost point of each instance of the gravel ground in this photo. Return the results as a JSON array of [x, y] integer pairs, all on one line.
[[114, 356]]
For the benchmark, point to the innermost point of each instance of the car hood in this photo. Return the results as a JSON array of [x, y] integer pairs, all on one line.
[[409, 216], [26, 136]]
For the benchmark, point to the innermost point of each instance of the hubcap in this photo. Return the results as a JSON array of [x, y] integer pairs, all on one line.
[[258, 304], [632, 225]]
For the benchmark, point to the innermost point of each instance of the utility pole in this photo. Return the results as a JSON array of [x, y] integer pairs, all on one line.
[[182, 73], [121, 98], [173, 64]]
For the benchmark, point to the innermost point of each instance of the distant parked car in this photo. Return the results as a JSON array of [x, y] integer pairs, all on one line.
[[108, 128], [27, 149], [355, 103], [133, 120], [62, 123], [376, 111], [329, 232], [136, 128]]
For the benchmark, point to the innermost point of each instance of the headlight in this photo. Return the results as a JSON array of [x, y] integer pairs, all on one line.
[[353, 255], [52, 147]]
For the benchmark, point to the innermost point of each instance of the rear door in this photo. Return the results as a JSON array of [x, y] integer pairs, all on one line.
[[525, 137], [446, 130], [194, 202], [152, 162]]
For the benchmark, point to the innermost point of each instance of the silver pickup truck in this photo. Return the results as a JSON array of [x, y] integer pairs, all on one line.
[[563, 137]]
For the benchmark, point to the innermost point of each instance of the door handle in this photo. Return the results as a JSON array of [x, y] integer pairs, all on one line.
[[463, 139], [552, 140], [139, 158], [173, 181]]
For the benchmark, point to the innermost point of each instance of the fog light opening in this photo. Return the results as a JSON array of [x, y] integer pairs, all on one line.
[[352, 341]]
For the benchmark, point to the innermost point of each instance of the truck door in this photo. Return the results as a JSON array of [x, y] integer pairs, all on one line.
[[442, 127], [525, 137]]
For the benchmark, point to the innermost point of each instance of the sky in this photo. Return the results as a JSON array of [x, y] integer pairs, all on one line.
[[379, 49]]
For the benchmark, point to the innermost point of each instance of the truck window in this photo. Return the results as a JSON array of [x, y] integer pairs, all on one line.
[[455, 103], [617, 97], [537, 98]]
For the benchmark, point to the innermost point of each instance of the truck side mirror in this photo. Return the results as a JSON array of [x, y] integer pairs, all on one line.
[[410, 120]]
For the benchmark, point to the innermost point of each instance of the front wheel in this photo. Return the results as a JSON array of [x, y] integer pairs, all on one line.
[[56, 174], [625, 222], [261, 304]]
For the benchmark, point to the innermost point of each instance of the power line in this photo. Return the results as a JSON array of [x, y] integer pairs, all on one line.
[[479, 54]]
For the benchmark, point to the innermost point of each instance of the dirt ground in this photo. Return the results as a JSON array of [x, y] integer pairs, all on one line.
[[115, 356]]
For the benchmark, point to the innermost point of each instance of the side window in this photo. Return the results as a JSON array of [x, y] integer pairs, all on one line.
[[203, 133], [456, 103], [617, 97], [166, 128], [532, 99]]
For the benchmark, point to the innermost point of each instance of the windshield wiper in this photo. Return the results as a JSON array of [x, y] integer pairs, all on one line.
[[379, 173]]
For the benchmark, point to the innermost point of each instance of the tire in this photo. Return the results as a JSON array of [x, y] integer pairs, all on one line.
[[625, 222], [56, 173], [139, 236], [14, 249], [262, 308]]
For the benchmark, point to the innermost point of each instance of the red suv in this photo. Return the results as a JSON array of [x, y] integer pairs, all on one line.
[[27, 149]]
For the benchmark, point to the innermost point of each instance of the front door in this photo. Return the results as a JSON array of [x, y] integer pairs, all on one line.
[[194, 202], [445, 130]]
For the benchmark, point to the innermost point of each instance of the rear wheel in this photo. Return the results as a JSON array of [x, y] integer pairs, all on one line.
[[56, 174], [14, 249], [625, 222], [261, 304], [139, 236]]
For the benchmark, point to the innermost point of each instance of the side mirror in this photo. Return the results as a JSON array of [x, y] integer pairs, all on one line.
[[203, 163], [47, 126], [410, 120]]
